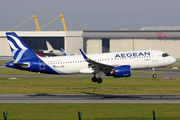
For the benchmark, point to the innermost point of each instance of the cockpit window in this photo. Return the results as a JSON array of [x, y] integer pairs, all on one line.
[[165, 54]]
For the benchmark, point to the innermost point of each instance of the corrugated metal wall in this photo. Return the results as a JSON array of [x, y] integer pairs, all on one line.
[[4, 48], [94, 46]]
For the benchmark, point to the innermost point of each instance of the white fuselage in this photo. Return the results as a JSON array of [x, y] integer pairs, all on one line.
[[136, 59]]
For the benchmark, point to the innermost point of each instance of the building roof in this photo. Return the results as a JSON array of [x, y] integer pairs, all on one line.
[[45, 33], [132, 34]]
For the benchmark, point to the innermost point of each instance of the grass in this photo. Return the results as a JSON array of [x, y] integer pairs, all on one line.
[[170, 67], [11, 71], [86, 86], [90, 111], [2, 62]]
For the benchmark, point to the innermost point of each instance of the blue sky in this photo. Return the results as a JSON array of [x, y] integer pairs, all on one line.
[[90, 14]]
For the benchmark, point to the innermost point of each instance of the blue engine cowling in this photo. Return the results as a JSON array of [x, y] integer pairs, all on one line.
[[122, 71]]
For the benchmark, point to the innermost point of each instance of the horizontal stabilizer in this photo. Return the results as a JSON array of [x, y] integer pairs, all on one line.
[[47, 51], [23, 65]]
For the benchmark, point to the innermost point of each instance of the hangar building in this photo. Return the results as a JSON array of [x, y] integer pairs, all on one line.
[[98, 41]]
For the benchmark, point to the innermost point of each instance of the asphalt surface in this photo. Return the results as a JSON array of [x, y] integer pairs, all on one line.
[[92, 98]]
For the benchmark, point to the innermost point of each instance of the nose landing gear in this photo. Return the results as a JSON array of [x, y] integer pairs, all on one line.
[[153, 71], [154, 76]]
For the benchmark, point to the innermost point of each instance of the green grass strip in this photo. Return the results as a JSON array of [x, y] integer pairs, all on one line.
[[90, 111], [2, 62], [86, 86], [11, 71]]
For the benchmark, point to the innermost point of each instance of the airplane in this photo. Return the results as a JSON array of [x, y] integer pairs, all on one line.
[[46, 54], [117, 64], [52, 51]]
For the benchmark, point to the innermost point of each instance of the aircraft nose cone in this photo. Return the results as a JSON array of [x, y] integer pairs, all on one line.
[[173, 60]]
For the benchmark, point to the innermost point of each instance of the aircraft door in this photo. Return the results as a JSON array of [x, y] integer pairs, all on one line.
[[41, 65], [154, 57]]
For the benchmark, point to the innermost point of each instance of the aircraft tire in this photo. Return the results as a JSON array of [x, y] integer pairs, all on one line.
[[94, 79], [99, 80], [154, 76]]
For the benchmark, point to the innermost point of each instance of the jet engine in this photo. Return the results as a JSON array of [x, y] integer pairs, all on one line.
[[120, 71]]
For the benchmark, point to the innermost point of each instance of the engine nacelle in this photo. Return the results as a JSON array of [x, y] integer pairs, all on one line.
[[120, 71]]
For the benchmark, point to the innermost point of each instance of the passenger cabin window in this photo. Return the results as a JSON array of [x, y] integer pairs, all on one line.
[[165, 54]]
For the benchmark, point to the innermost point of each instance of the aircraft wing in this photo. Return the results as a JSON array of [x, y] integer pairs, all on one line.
[[96, 66]]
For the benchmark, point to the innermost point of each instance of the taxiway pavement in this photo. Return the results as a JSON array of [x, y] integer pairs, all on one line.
[[92, 98]]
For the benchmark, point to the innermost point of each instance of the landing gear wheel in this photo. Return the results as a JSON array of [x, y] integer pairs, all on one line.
[[94, 79], [99, 80], [154, 76]]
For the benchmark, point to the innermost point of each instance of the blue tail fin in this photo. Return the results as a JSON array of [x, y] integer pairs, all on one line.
[[20, 51], [64, 53]]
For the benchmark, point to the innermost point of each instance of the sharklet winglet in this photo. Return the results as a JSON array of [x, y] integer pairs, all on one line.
[[84, 55]]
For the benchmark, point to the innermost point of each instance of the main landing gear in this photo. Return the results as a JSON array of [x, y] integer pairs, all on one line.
[[99, 79], [153, 71]]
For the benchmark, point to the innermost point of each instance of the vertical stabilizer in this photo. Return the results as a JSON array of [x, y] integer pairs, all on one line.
[[49, 47], [20, 51]]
